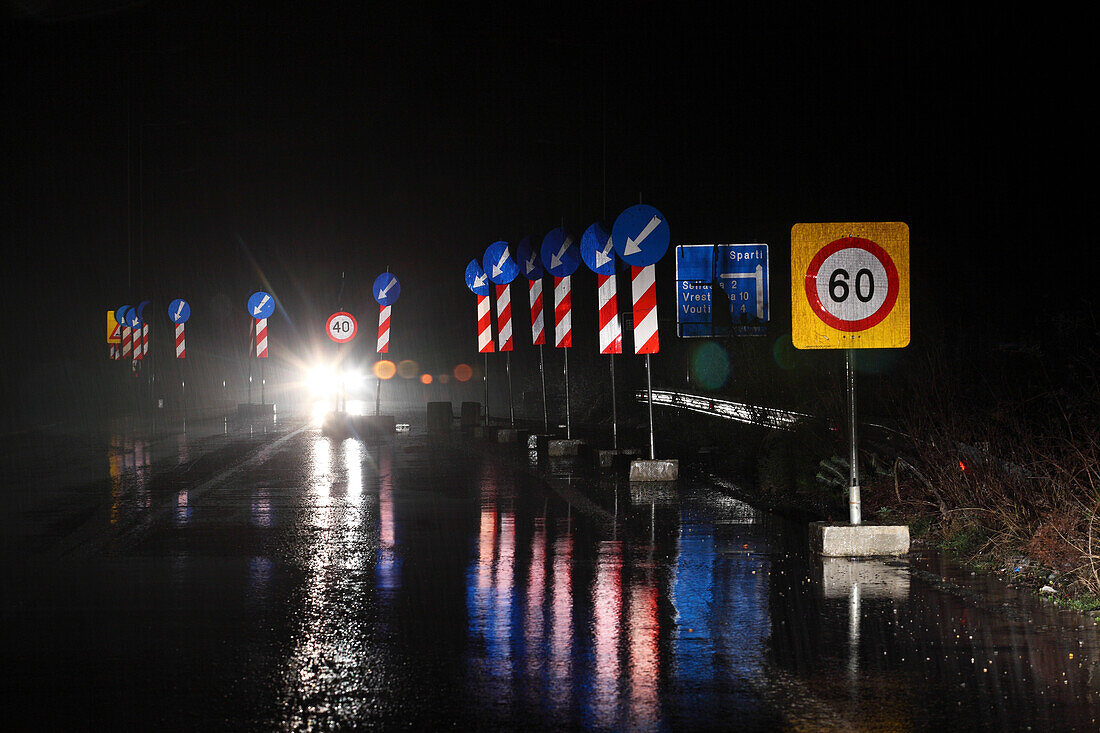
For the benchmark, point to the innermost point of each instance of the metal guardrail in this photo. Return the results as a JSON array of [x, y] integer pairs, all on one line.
[[767, 417]]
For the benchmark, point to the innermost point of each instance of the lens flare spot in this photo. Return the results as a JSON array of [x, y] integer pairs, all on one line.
[[425, 378], [408, 369], [384, 369], [464, 372], [710, 365]]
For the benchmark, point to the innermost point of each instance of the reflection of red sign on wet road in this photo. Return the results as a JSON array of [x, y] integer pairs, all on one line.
[[850, 285]]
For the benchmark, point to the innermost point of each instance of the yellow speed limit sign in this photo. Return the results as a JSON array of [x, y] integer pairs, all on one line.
[[850, 285]]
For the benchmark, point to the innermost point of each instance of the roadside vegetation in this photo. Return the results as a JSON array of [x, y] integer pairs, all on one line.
[[995, 459]]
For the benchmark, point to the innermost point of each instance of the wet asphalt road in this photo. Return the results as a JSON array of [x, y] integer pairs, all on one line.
[[272, 578]]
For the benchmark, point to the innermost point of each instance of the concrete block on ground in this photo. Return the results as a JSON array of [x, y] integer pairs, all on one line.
[[659, 469], [618, 457], [254, 410], [439, 416], [563, 448], [860, 540], [470, 415], [485, 432], [374, 424]]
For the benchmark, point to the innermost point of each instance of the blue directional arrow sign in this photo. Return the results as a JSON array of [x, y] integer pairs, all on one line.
[[596, 250], [140, 311], [261, 305], [386, 289], [133, 320], [179, 311], [530, 264], [476, 279], [122, 315], [640, 235], [560, 254], [498, 263]]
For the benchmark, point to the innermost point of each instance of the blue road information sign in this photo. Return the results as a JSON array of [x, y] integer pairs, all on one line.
[[529, 262], [122, 314], [640, 235], [261, 305], [386, 289], [560, 254], [596, 250], [498, 263], [740, 271], [179, 311], [133, 320], [476, 279]]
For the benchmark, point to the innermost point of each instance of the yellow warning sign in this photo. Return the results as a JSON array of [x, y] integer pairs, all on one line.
[[114, 332], [850, 285]]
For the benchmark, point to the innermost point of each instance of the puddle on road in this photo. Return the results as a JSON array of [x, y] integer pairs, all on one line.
[[346, 582]]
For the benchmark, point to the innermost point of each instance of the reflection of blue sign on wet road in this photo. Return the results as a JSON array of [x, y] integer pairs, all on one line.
[[741, 270]]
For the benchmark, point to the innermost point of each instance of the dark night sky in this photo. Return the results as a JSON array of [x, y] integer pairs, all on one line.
[[161, 150]]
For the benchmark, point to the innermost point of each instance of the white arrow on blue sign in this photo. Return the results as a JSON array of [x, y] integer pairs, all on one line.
[[560, 253], [261, 305], [596, 250], [640, 235], [529, 262], [498, 263], [179, 311], [122, 315], [476, 279], [133, 318], [386, 289]]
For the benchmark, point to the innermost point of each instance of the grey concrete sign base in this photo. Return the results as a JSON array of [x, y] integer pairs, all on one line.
[[611, 458], [564, 448], [862, 540], [660, 469]]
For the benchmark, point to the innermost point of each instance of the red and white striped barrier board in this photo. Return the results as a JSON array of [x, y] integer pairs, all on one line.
[[144, 340], [261, 338], [484, 326], [643, 288], [611, 335], [563, 312], [127, 344], [504, 318], [384, 329], [181, 347], [538, 330]]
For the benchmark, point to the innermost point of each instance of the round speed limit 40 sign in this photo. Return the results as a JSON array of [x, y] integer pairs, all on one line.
[[341, 327], [850, 285]]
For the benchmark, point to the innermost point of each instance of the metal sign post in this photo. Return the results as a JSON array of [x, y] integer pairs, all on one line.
[[568, 419], [640, 237], [854, 507], [850, 290], [542, 375], [649, 400]]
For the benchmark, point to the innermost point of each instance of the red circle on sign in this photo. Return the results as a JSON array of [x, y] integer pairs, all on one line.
[[892, 284], [341, 327]]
